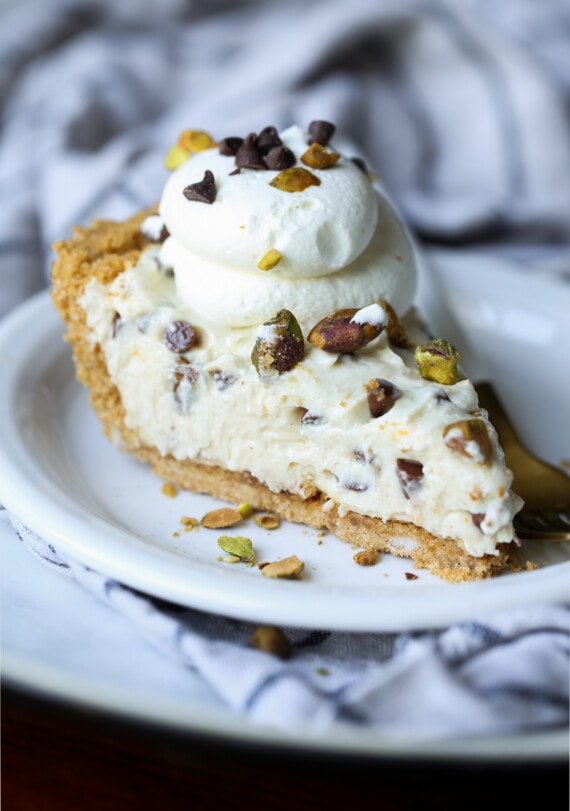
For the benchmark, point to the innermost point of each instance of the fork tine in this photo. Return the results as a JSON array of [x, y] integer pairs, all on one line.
[[552, 524], [544, 488]]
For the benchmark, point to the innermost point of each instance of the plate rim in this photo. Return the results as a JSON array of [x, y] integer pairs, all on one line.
[[40, 310]]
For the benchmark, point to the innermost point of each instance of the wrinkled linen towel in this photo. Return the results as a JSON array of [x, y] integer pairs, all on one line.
[[463, 115], [462, 108], [506, 674]]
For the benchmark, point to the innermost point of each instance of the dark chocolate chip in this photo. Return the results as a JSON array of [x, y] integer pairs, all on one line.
[[356, 486], [230, 145], [381, 395], [312, 418], [361, 164], [186, 376], [441, 396], [223, 380], [267, 139], [364, 456], [279, 158], [117, 324], [477, 519], [320, 132], [142, 322], [154, 230], [179, 336], [410, 473], [410, 576], [204, 191], [248, 155]]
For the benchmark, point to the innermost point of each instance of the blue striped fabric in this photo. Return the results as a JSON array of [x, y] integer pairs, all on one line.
[[463, 109], [503, 675]]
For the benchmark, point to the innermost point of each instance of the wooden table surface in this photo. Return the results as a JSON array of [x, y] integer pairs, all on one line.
[[69, 758]]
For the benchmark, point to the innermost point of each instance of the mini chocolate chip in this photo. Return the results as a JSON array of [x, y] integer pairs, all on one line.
[[230, 145], [356, 486], [312, 418], [279, 158], [117, 324], [410, 473], [381, 396], [410, 576], [204, 191], [361, 164], [154, 229], [142, 322], [366, 457], [267, 139], [248, 155], [186, 376], [223, 380], [321, 132], [477, 519], [179, 336], [441, 396]]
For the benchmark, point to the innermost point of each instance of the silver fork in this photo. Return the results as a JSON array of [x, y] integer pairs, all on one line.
[[544, 488]]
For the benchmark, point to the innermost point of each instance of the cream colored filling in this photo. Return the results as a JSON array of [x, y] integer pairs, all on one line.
[[307, 429]]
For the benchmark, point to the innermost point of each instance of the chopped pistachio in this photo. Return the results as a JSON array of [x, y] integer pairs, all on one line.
[[317, 157], [366, 557], [267, 520], [394, 329], [381, 396], [287, 568], [437, 360], [224, 517], [238, 546], [469, 438], [175, 157], [195, 140], [270, 259], [279, 345], [245, 509], [344, 332], [271, 640], [295, 179]]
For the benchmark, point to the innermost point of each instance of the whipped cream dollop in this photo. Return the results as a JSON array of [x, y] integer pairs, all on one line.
[[340, 242]]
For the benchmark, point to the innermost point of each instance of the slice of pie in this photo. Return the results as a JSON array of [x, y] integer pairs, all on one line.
[[255, 338]]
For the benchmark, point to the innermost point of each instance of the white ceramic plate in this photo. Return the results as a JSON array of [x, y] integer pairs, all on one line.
[[62, 478], [61, 641]]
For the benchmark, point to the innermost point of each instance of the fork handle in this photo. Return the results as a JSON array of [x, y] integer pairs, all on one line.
[[491, 403]]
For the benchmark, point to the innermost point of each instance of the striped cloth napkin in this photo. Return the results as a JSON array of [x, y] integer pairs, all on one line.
[[503, 675], [463, 110]]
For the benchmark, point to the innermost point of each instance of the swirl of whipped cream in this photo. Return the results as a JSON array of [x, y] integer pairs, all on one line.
[[341, 241], [318, 230]]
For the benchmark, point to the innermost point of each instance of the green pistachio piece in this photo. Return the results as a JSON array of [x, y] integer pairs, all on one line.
[[279, 345], [238, 546], [270, 259], [437, 360], [469, 438], [271, 640], [317, 157], [345, 331], [295, 179], [394, 328]]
